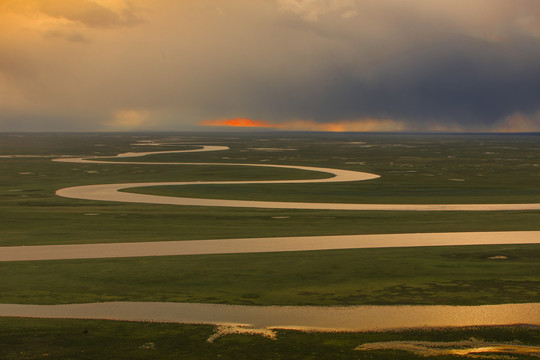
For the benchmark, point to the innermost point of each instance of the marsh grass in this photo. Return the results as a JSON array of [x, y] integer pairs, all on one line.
[[32, 214], [92, 339], [468, 275], [414, 169]]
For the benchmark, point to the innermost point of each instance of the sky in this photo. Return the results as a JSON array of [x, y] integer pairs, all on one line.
[[321, 65]]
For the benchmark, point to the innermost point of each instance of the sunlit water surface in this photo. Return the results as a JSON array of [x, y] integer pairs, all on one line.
[[344, 318]]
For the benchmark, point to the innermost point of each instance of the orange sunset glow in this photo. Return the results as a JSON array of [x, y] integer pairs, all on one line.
[[242, 122], [365, 124]]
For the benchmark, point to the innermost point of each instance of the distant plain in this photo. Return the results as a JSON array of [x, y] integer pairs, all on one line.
[[414, 168]]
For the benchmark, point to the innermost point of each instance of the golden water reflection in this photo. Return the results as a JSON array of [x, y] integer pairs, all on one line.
[[463, 348], [342, 318]]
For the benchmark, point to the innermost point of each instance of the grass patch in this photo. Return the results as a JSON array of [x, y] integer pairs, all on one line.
[[414, 169], [384, 190], [61, 222], [469, 275], [91, 339]]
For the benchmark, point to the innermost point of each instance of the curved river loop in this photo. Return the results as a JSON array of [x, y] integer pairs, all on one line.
[[342, 318]]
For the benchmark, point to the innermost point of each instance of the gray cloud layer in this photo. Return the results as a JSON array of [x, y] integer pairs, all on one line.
[[471, 65]]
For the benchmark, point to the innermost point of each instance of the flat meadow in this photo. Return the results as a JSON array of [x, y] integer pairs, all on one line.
[[414, 168]]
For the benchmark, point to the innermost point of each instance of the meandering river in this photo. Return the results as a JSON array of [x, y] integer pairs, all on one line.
[[349, 318]]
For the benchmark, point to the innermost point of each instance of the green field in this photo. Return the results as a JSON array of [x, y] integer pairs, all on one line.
[[414, 168], [32, 214], [467, 275], [90, 339]]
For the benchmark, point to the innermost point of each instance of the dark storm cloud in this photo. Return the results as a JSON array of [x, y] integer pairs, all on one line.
[[410, 65], [473, 83]]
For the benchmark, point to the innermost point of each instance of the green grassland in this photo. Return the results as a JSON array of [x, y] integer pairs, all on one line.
[[413, 169], [90, 339], [32, 214], [69, 223], [467, 275]]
